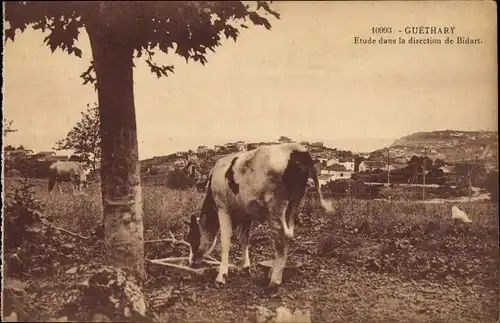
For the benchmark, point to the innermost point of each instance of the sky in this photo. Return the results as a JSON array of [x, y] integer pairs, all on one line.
[[304, 79]]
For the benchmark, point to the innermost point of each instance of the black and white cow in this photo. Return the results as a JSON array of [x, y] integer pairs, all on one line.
[[265, 184]]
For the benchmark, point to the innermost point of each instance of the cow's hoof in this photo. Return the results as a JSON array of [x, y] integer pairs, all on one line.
[[221, 280]]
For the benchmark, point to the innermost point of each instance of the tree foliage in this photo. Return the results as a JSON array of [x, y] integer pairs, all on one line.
[[84, 138], [187, 28], [284, 139], [423, 161], [439, 163], [344, 153]]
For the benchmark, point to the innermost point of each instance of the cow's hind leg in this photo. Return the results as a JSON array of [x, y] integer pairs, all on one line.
[[225, 237]]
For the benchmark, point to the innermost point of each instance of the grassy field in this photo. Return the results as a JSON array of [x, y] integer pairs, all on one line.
[[373, 261]]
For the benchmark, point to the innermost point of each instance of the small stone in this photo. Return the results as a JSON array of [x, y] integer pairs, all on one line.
[[72, 270]]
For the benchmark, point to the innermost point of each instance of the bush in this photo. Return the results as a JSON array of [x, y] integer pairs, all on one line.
[[490, 183], [177, 179], [21, 210], [33, 168]]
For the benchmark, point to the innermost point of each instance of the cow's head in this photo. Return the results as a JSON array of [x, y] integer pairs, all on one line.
[[199, 241], [193, 237]]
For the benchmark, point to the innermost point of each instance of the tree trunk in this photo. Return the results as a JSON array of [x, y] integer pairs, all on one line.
[[120, 177]]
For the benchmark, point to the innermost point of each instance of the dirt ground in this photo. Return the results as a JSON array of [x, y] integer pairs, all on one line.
[[330, 289]]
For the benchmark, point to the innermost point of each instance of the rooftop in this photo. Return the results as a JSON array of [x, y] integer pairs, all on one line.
[[336, 167]]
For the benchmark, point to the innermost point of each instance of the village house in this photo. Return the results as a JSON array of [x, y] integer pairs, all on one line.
[[348, 163], [325, 162], [252, 146], [182, 154], [218, 148], [400, 159], [231, 146], [336, 171], [372, 165], [241, 145], [202, 150]]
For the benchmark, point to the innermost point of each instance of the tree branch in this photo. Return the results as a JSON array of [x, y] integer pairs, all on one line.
[[63, 230]]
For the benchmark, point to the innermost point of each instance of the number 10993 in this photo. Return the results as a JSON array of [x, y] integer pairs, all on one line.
[[381, 30]]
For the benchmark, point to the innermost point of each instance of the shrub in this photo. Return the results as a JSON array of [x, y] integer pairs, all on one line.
[[21, 210], [177, 179], [490, 183]]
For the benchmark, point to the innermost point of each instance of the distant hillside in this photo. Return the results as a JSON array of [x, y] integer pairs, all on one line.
[[449, 145]]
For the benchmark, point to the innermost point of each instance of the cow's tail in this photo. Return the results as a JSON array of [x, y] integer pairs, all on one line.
[[326, 205]]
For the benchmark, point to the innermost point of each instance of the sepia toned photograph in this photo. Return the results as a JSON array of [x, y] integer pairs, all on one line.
[[250, 161]]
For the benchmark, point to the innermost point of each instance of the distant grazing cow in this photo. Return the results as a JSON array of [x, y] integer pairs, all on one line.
[[265, 184], [67, 171]]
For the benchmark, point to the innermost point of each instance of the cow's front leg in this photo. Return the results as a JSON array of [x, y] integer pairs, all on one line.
[[281, 245], [246, 227], [225, 238], [59, 185]]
